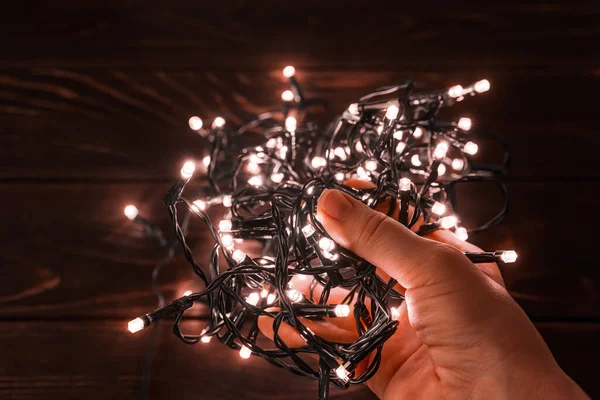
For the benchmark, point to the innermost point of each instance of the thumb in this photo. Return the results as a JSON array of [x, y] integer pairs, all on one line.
[[410, 259]]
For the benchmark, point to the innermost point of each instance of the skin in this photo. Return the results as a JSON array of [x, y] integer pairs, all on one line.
[[460, 333]]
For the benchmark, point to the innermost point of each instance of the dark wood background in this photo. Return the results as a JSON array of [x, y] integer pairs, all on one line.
[[94, 102]]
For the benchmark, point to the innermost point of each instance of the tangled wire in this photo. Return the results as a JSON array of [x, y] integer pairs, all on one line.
[[390, 138]]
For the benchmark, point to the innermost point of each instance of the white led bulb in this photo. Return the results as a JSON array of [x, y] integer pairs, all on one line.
[[195, 123], [277, 177], [482, 86], [415, 160], [238, 256], [253, 298], [342, 310], [440, 150], [448, 222], [438, 208], [291, 124], [218, 122], [461, 233], [404, 184], [455, 91], [318, 162], [135, 325], [471, 148], [245, 352], [392, 112], [464, 123], [308, 230], [508, 256], [326, 244], [188, 169], [225, 225], [458, 164], [289, 71], [131, 212], [418, 132], [288, 95]]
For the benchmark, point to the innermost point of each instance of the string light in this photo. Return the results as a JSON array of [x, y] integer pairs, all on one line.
[[188, 169], [131, 212], [269, 195], [195, 123]]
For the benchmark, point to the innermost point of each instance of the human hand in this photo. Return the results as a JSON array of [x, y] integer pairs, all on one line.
[[460, 334]]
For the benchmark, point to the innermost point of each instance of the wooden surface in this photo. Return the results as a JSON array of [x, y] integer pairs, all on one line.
[[94, 103]]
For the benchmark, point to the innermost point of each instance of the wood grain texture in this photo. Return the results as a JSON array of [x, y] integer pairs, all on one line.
[[122, 125], [100, 360], [94, 103]]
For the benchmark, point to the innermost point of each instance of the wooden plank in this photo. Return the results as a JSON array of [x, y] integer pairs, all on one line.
[[127, 125], [71, 253], [310, 34], [100, 359]]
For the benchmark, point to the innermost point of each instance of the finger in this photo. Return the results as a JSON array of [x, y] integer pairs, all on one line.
[[448, 237], [412, 260]]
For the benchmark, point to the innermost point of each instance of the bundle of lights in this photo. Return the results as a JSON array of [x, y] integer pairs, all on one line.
[[390, 138]]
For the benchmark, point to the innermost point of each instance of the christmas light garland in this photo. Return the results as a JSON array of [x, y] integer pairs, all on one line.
[[390, 138]]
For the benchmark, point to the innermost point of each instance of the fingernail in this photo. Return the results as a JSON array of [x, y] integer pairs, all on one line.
[[335, 204]]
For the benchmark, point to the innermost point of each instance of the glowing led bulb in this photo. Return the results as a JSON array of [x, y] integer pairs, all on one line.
[[395, 313], [253, 168], [440, 150], [288, 95], [353, 109], [131, 212], [398, 135], [218, 122], [271, 298], [342, 373], [448, 222], [308, 230], [318, 162], [195, 123], [362, 174], [256, 180], [405, 184], [227, 240], [455, 91], [461, 233], [371, 165], [326, 244], [339, 176], [225, 225], [206, 161], [438, 208], [508, 256], [205, 339], [359, 147], [400, 147], [291, 124], [245, 352], [199, 205], [471, 148], [252, 298], [418, 132], [294, 295], [271, 143], [342, 310], [415, 160], [441, 169], [227, 200], [340, 152], [289, 71], [482, 86], [392, 112], [277, 177], [458, 164], [188, 169], [283, 151], [464, 123], [238, 256], [135, 325], [379, 129]]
